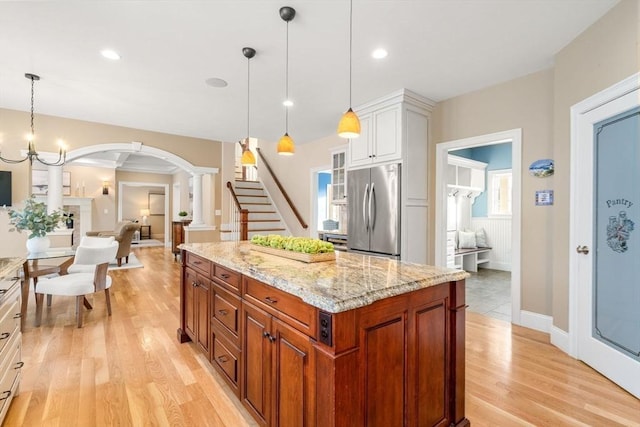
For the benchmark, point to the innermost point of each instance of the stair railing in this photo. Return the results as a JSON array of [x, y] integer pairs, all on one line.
[[238, 217], [282, 190]]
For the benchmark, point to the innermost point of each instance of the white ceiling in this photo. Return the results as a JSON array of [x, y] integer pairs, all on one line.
[[437, 48]]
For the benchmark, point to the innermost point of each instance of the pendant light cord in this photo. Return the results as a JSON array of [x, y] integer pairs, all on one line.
[[350, 45], [33, 133], [286, 85], [248, 97]]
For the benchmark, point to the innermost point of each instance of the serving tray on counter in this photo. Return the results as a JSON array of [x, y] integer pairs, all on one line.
[[297, 256]]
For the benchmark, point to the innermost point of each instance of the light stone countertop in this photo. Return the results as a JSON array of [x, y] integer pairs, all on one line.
[[349, 282]]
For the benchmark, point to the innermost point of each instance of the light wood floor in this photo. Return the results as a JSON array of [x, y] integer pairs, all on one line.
[[130, 369]]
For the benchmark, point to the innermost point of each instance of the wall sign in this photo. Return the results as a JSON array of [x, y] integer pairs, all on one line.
[[620, 226], [542, 168], [544, 197]]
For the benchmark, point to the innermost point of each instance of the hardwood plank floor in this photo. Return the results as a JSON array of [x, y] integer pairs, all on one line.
[[130, 370]]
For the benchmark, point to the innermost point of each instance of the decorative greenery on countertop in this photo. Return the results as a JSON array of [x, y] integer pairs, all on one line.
[[34, 217], [182, 213], [304, 245]]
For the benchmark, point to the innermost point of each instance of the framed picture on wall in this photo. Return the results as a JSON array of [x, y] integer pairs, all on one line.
[[40, 183], [156, 204]]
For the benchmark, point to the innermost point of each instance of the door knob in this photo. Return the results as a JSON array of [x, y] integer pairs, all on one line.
[[582, 249]]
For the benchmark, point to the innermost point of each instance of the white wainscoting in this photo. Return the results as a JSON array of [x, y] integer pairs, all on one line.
[[498, 231]]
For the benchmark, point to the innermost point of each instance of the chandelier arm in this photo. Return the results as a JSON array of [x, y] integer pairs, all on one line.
[[13, 161]]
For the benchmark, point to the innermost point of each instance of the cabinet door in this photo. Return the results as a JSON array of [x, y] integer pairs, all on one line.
[[203, 318], [338, 177], [428, 347], [256, 388], [360, 148], [382, 367], [387, 139], [190, 281], [294, 372]]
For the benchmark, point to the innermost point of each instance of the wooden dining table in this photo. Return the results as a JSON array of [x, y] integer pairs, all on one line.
[[37, 265]]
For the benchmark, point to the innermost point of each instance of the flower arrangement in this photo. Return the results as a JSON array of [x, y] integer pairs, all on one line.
[[34, 217]]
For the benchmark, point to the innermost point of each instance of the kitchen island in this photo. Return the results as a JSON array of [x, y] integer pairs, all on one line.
[[359, 341]]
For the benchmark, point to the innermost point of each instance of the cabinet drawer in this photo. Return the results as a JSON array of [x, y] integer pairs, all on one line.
[[226, 312], [225, 357], [287, 307], [199, 263], [9, 321], [9, 376], [228, 277]]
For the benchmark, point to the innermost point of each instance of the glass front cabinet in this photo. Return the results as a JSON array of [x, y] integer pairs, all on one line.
[[339, 176]]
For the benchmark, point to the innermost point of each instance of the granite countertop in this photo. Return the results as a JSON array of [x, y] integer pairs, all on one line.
[[349, 282]]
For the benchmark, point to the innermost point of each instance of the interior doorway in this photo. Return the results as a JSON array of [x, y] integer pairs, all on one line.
[[137, 200], [444, 204]]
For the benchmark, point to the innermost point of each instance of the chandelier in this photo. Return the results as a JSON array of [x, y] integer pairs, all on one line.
[[32, 154]]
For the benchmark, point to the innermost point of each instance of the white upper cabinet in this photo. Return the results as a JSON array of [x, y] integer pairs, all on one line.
[[380, 138], [465, 177]]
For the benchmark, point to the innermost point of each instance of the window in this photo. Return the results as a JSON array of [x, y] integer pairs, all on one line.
[[499, 195]]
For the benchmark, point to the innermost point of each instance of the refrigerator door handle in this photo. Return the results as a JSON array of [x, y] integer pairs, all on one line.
[[364, 206], [372, 200]]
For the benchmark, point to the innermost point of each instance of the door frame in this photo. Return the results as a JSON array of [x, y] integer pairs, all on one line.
[[578, 118], [164, 187], [313, 221], [442, 149]]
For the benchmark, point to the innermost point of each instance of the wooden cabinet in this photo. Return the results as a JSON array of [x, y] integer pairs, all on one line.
[[398, 361], [195, 302], [177, 235], [339, 175], [279, 371], [226, 353], [10, 343]]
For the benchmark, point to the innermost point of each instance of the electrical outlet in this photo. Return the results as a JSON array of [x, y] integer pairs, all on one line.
[[106, 211], [218, 212]]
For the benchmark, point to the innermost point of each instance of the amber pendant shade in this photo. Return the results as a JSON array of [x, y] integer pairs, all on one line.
[[248, 159], [286, 146], [349, 126]]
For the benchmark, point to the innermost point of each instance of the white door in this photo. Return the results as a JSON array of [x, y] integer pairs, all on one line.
[[606, 237]]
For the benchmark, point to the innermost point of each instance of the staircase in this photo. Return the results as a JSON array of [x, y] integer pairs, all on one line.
[[263, 217]]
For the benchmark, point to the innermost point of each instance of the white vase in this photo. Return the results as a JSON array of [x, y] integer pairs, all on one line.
[[38, 244]]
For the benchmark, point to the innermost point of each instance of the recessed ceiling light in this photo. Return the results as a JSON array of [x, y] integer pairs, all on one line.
[[379, 53], [287, 103], [216, 82], [110, 54]]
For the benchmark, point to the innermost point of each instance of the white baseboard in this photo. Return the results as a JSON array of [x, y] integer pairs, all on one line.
[[502, 266], [539, 322], [560, 339]]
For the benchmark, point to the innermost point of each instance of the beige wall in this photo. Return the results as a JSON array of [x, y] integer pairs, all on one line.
[[604, 54], [76, 133], [294, 174], [525, 103]]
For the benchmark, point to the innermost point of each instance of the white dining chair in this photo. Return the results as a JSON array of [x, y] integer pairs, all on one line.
[[80, 284]]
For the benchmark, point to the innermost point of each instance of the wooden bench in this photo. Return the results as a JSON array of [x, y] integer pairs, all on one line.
[[470, 259]]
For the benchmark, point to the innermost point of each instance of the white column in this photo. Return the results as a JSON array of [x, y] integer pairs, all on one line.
[[197, 200], [54, 192]]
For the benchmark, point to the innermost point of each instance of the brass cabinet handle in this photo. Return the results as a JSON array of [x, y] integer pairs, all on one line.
[[6, 395], [17, 315], [271, 300], [4, 335], [582, 249], [223, 359], [19, 365], [222, 312], [225, 276]]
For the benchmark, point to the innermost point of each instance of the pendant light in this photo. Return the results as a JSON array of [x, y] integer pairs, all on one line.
[[248, 159], [286, 146], [349, 125], [32, 154]]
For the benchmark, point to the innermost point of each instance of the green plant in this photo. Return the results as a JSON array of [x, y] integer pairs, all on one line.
[[182, 213], [34, 217]]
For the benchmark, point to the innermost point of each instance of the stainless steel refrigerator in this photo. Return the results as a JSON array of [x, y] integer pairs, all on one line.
[[373, 197]]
